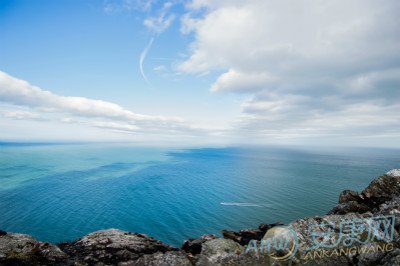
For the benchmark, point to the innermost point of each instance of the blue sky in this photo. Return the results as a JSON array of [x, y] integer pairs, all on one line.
[[223, 72]]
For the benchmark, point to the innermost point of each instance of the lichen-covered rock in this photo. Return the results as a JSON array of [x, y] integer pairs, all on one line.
[[332, 236], [392, 258], [380, 190], [383, 188], [369, 259], [24, 249], [348, 195], [390, 207], [112, 246], [120, 240], [393, 173], [220, 251], [349, 207], [170, 258]]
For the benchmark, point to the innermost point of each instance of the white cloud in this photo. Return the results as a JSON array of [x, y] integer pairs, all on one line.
[[242, 82], [311, 67], [80, 110], [160, 23], [281, 36], [21, 115], [163, 21]]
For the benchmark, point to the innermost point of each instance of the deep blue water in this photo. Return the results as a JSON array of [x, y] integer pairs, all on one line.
[[62, 192]]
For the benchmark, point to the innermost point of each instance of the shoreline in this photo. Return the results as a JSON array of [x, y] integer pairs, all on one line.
[[381, 198]]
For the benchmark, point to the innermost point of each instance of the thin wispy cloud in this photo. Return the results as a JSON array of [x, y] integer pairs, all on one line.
[[156, 25], [143, 55]]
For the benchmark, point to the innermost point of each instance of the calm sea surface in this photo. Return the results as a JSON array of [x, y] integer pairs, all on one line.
[[62, 192]]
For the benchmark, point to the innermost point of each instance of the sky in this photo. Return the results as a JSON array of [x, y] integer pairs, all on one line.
[[201, 72]]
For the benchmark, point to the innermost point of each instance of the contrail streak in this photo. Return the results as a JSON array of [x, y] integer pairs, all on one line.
[[143, 57]]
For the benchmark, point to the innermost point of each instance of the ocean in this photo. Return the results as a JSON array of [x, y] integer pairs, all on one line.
[[60, 192]]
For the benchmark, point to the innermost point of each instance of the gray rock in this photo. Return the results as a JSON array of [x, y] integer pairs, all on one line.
[[383, 188], [20, 248], [349, 207], [392, 258], [194, 245], [393, 173], [170, 258], [379, 191], [112, 246], [243, 237], [120, 240], [220, 251], [348, 195]]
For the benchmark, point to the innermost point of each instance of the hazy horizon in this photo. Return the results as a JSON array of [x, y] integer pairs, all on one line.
[[201, 73]]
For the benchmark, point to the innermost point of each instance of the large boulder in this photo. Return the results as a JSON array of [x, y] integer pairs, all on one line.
[[112, 246], [220, 251], [20, 249], [383, 188], [379, 191]]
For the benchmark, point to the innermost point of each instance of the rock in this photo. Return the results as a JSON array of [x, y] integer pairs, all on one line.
[[194, 245], [348, 195], [306, 227], [170, 258], [349, 207], [266, 227], [3, 233], [24, 249], [383, 188], [380, 190], [220, 251], [243, 237], [392, 258], [393, 173], [112, 246], [390, 207]]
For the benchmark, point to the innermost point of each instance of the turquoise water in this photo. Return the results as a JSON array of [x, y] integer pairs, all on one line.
[[62, 192]]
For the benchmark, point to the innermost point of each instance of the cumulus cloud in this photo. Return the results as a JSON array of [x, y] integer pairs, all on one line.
[[309, 66], [242, 82], [97, 113]]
